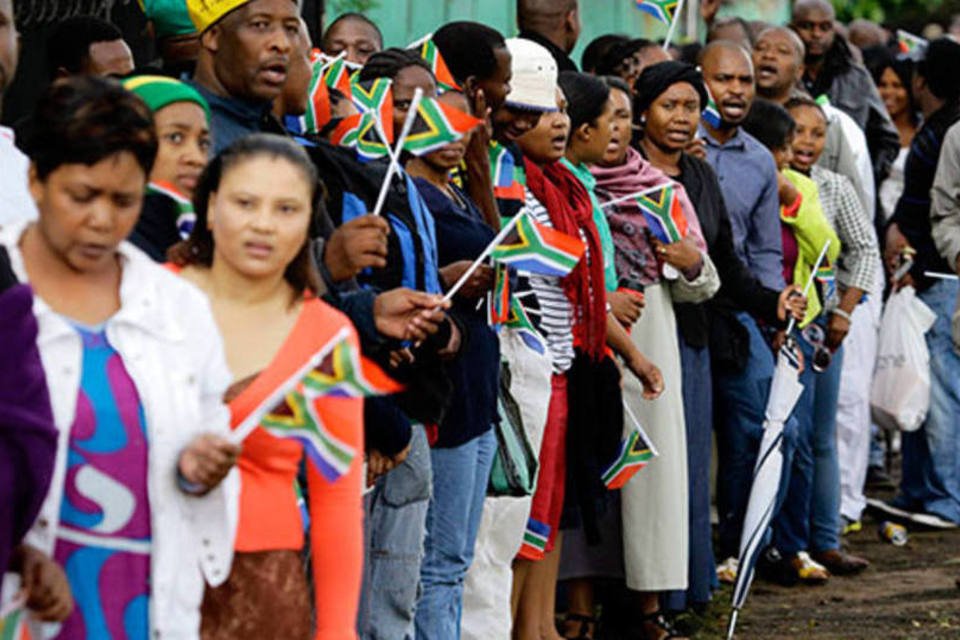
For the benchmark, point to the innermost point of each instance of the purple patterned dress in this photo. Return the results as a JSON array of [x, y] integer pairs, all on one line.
[[103, 542]]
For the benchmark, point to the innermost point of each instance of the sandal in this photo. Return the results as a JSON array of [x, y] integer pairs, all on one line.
[[661, 625], [588, 626]]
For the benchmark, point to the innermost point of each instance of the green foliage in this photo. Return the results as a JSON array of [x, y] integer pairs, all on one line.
[[887, 10], [337, 7]]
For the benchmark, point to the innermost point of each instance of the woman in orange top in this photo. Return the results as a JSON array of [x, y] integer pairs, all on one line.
[[248, 252]]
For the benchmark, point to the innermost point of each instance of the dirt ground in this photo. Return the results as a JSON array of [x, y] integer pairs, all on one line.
[[909, 592]]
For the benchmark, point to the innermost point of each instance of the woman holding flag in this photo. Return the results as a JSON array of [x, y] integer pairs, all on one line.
[[653, 225], [667, 126], [249, 252]]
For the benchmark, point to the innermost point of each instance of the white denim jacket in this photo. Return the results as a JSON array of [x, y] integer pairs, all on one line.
[[170, 345]]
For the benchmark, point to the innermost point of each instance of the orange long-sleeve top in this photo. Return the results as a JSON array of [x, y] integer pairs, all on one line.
[[269, 516]]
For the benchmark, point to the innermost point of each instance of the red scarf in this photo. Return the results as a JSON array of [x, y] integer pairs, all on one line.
[[571, 211]]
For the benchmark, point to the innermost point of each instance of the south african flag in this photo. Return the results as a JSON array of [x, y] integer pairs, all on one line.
[[436, 126], [186, 216], [318, 97], [827, 277], [910, 44], [341, 373], [336, 75], [661, 209], [519, 320], [711, 114], [508, 178], [634, 454], [662, 10], [427, 49], [498, 299], [536, 248], [535, 539]]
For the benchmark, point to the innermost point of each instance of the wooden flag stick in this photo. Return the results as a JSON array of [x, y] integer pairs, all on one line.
[[395, 156], [483, 256], [673, 25]]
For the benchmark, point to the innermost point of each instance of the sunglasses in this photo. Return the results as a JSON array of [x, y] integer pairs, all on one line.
[[822, 356]]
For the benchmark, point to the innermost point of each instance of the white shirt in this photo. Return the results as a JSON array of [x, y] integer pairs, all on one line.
[[16, 203], [166, 336]]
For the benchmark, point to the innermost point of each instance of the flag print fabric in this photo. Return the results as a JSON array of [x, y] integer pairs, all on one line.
[[536, 248], [436, 126], [662, 10], [535, 539], [664, 215]]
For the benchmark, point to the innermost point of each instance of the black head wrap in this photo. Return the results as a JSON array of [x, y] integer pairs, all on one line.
[[659, 77], [586, 97]]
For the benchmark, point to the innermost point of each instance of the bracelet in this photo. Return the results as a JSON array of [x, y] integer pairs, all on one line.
[[843, 314]]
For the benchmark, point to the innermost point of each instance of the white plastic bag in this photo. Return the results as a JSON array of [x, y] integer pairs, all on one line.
[[900, 395]]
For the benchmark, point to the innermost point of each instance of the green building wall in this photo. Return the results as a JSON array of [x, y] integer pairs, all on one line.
[[404, 21]]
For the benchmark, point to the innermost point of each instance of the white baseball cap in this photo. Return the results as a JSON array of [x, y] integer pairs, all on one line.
[[534, 83]]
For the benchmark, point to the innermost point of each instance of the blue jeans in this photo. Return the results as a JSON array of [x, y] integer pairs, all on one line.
[[698, 409], [395, 524], [810, 517], [740, 401], [460, 477], [931, 454]]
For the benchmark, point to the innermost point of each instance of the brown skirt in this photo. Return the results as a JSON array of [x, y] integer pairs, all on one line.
[[265, 597]]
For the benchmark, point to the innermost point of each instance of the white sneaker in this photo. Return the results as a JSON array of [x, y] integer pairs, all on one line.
[[727, 570]]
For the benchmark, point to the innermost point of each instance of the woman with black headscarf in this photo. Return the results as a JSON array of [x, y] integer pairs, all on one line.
[[670, 96]]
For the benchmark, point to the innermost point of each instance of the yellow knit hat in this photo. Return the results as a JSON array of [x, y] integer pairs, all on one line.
[[205, 13]]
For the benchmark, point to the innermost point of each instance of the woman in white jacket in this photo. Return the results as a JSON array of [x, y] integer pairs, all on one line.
[[142, 507]]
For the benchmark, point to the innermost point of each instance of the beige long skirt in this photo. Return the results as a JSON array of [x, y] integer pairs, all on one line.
[[654, 502]]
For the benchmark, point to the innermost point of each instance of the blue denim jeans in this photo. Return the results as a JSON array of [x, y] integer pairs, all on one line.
[[740, 401], [395, 525], [931, 454], [810, 517], [460, 477]]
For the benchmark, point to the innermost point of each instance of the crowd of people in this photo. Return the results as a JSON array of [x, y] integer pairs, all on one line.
[[180, 239]]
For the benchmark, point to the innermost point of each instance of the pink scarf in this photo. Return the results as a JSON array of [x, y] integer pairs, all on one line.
[[635, 258]]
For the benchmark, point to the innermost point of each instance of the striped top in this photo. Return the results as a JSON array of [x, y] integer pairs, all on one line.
[[556, 310]]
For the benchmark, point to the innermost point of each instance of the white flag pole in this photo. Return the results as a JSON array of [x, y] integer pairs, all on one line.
[[673, 26], [813, 275], [395, 156], [610, 203], [483, 256]]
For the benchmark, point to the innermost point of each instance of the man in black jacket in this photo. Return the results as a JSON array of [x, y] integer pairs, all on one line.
[[831, 70]]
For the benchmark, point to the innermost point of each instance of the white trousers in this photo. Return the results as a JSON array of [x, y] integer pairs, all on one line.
[[489, 581], [853, 405]]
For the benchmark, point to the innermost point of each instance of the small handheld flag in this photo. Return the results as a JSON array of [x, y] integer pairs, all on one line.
[[536, 248], [337, 370], [428, 50], [436, 126], [498, 299], [318, 97], [519, 320], [535, 539], [662, 10], [711, 114], [336, 75], [827, 277], [186, 216], [636, 450], [661, 209], [508, 178], [911, 45]]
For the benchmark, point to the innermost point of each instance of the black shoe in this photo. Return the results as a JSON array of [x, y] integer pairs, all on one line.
[[878, 478]]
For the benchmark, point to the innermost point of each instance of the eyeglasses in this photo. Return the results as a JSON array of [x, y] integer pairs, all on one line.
[[822, 356]]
